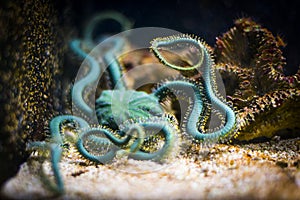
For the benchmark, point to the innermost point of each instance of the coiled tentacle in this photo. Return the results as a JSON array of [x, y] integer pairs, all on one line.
[[125, 24], [95, 132], [203, 64], [57, 142], [109, 61], [57, 121], [113, 141], [161, 153], [113, 66], [80, 86], [138, 132], [117, 43], [55, 146], [162, 132]]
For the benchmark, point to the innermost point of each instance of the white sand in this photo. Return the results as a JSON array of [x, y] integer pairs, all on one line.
[[261, 171]]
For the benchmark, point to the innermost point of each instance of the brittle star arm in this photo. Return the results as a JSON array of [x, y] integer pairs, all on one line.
[[55, 146], [205, 65], [109, 62], [157, 127], [125, 24], [113, 65], [112, 141], [92, 76]]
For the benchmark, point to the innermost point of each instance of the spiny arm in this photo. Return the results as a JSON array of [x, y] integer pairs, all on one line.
[[91, 77], [203, 65]]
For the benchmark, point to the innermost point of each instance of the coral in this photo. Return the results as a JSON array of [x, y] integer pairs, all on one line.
[[252, 65]]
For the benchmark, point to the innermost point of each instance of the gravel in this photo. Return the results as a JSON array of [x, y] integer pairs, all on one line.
[[269, 170]]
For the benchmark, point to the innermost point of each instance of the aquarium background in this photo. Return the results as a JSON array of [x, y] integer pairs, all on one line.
[[207, 19]]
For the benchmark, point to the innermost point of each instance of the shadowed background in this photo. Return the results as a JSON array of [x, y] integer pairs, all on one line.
[[205, 18]]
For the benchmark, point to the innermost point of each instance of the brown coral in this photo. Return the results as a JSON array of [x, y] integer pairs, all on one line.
[[252, 64]]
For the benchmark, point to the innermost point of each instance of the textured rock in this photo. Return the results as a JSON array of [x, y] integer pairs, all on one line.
[[30, 59]]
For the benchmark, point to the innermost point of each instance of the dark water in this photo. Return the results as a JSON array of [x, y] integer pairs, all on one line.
[[207, 18]]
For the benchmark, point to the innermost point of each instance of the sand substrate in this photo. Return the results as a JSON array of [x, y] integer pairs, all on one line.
[[269, 170]]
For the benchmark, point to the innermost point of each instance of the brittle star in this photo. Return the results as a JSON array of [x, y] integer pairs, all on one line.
[[133, 122]]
